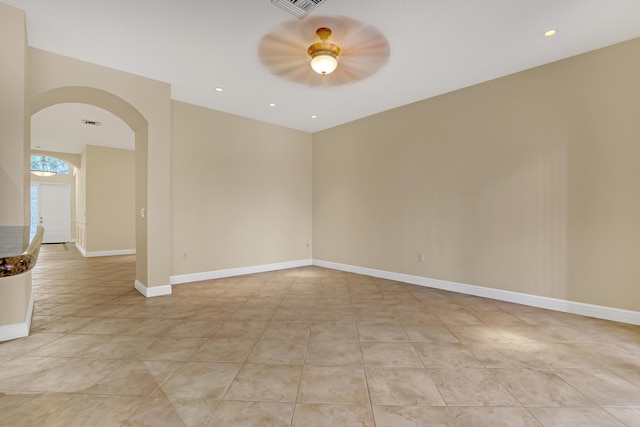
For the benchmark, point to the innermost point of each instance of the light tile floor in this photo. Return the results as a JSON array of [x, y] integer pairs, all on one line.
[[304, 347]]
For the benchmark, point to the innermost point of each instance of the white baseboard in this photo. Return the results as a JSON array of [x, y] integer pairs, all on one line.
[[153, 291], [89, 254], [18, 330], [218, 274], [81, 250], [597, 311]]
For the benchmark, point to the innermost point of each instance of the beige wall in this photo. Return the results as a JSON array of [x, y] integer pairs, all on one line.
[[110, 199], [528, 183], [14, 129], [15, 292], [241, 191]]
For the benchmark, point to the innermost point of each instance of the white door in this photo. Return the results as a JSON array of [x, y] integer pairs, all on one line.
[[54, 211]]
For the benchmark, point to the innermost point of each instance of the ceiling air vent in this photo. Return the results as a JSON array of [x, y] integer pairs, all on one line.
[[91, 122], [299, 8]]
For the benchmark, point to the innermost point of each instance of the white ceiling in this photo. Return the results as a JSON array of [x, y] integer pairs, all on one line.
[[59, 128], [436, 46]]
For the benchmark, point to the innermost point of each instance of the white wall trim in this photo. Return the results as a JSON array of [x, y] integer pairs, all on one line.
[[81, 249], [153, 291], [218, 274], [598, 311], [90, 254], [18, 330]]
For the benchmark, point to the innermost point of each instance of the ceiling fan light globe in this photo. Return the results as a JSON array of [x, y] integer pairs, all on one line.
[[324, 63]]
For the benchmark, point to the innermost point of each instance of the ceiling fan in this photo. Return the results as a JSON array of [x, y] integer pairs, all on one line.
[[353, 49]]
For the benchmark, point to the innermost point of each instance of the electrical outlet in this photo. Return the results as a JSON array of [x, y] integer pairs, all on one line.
[[420, 257]]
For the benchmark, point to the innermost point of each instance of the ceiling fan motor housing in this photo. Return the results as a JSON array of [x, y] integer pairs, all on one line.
[[324, 54]]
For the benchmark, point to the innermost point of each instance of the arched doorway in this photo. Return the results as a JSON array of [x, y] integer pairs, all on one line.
[[139, 125]]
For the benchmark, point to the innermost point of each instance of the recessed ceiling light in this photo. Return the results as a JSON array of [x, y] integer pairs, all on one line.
[[314, 117], [550, 33], [218, 89], [272, 105]]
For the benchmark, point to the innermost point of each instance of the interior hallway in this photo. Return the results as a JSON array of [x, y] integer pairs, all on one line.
[[304, 347]]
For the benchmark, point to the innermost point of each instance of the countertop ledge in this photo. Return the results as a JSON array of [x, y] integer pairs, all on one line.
[[13, 239]]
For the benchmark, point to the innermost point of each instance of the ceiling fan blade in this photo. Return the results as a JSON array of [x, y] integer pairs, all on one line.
[[364, 50]]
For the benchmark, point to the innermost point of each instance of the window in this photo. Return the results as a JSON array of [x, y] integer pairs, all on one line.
[[49, 164]]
